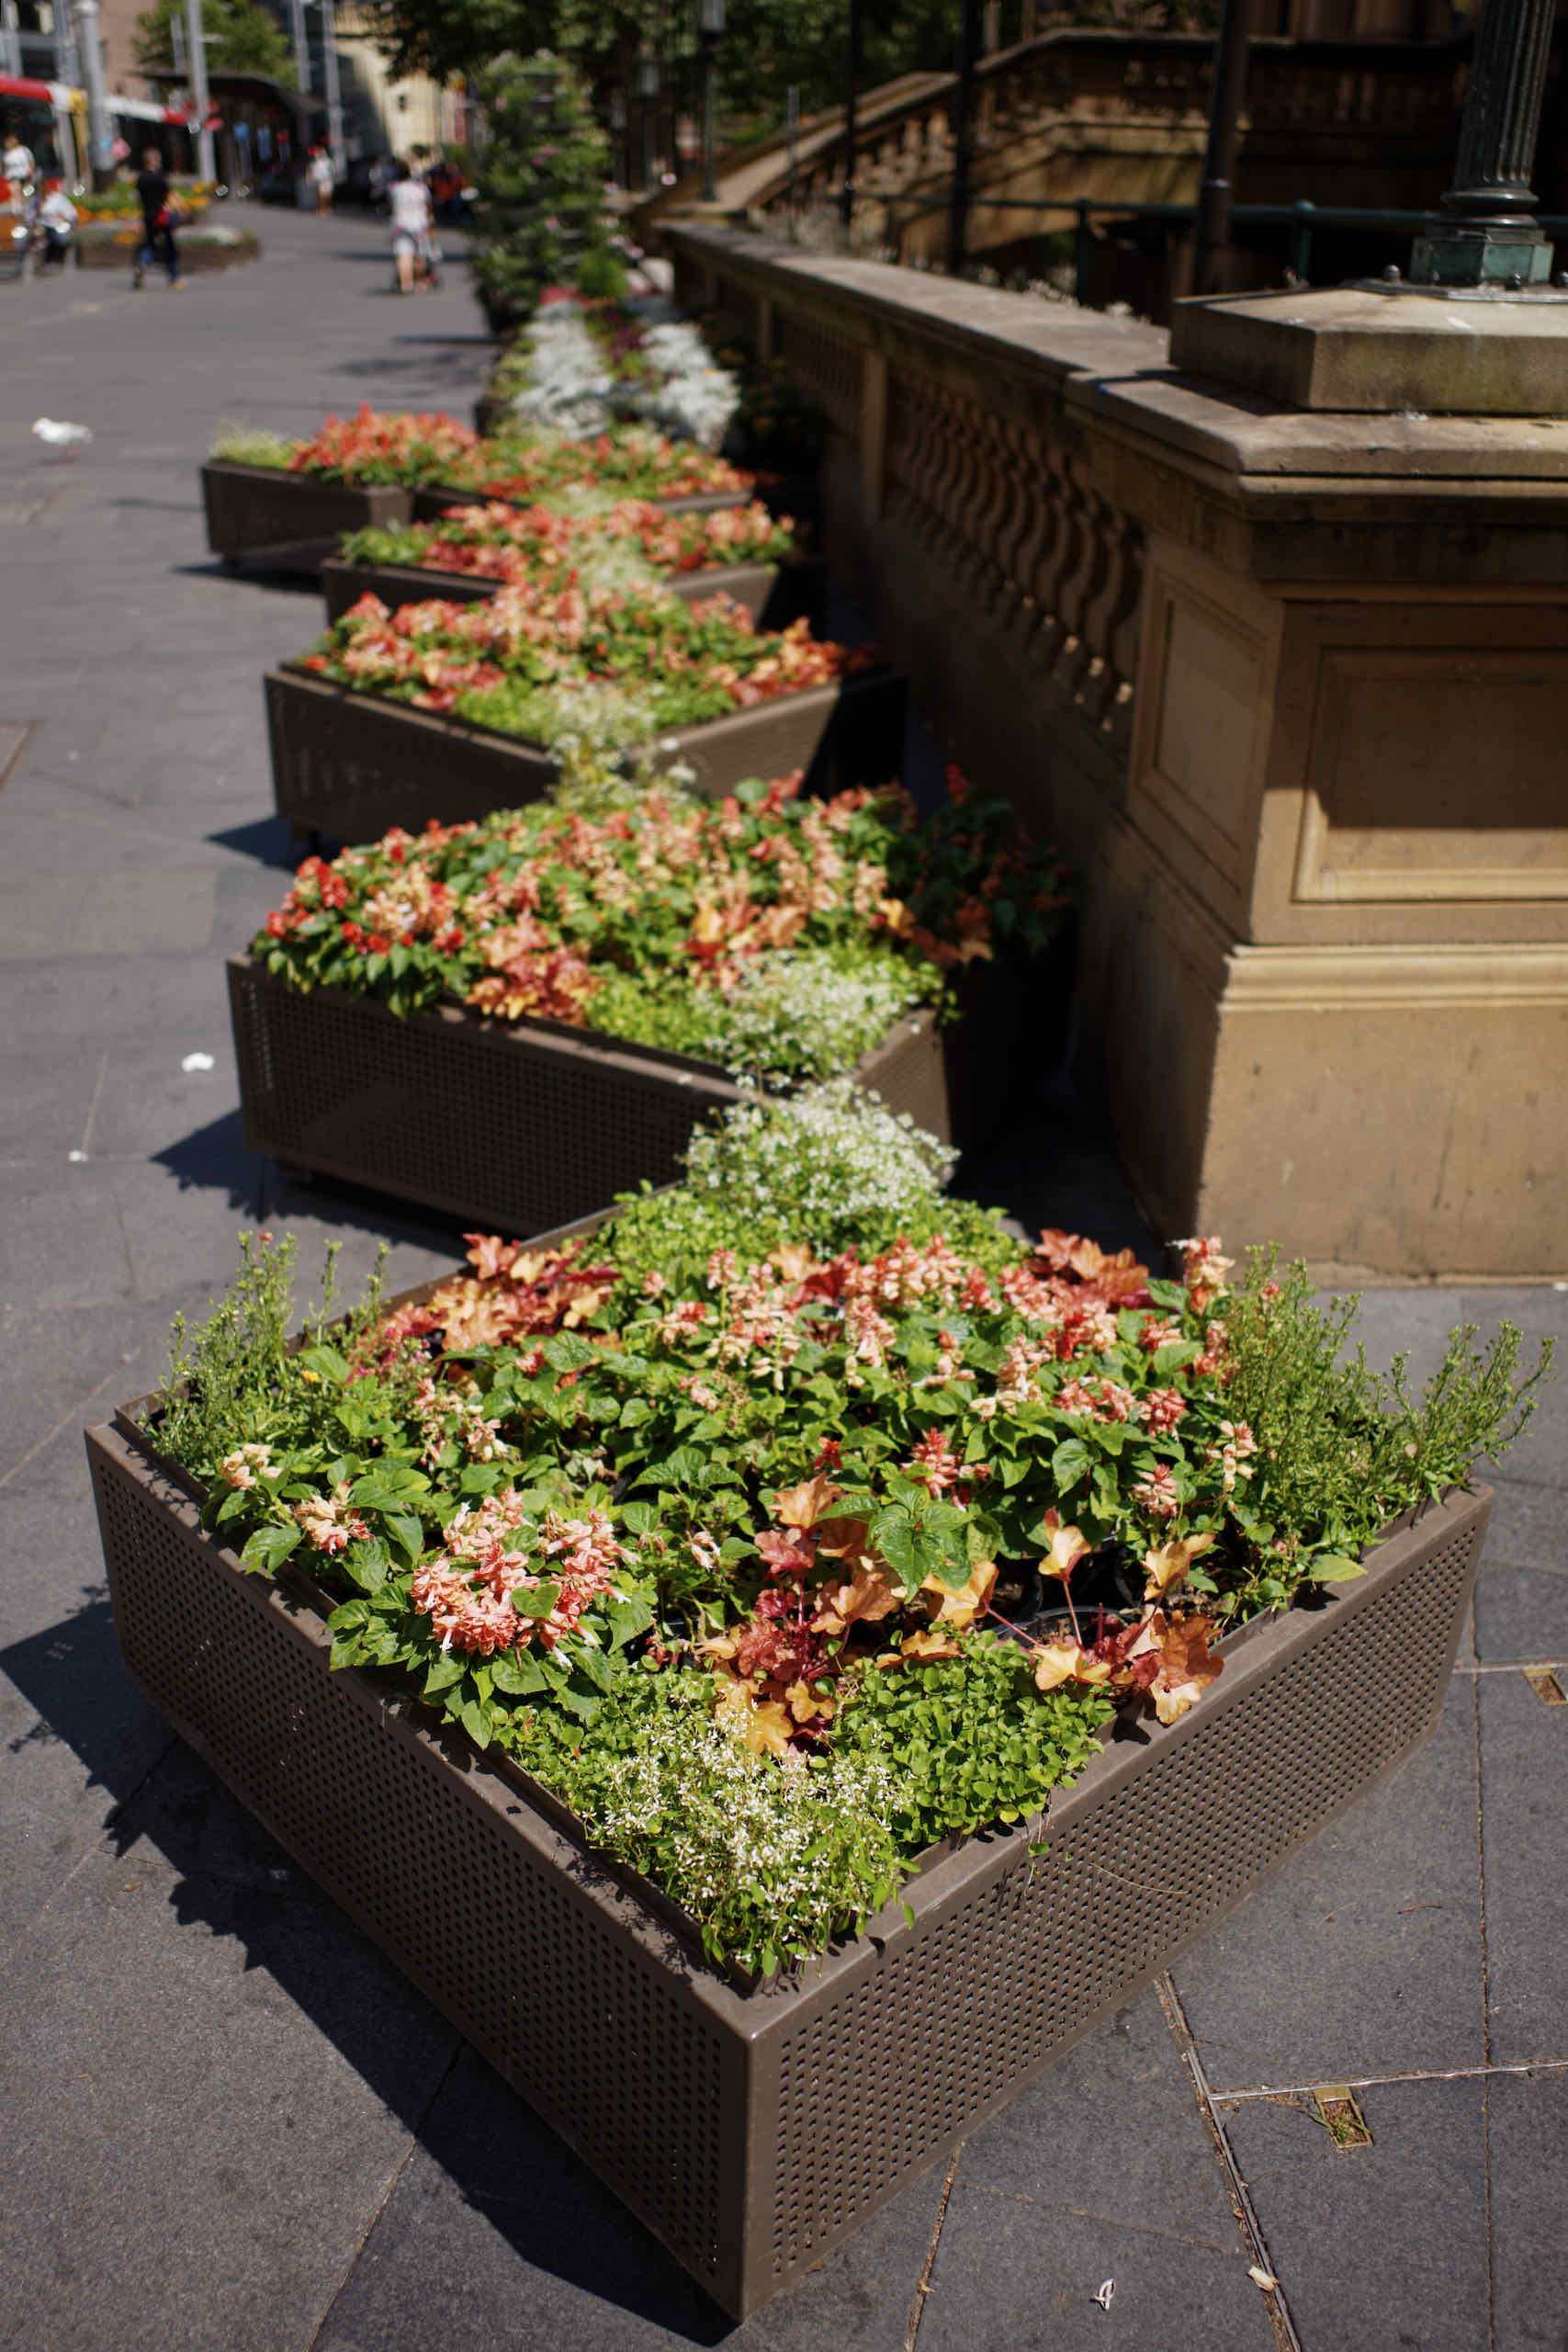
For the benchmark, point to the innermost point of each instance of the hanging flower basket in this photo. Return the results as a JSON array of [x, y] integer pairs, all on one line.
[[750, 2128]]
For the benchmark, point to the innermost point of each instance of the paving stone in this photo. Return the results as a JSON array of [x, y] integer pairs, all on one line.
[[1363, 1955], [211, 2082], [498, 2236], [1522, 1613], [1528, 2136], [1009, 2272], [169, 908], [1051, 2144], [1379, 2245], [1524, 1780], [1528, 1527]]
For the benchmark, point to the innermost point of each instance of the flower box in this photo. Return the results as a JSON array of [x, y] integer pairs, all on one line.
[[750, 2130], [774, 595], [350, 765], [519, 1125], [430, 502], [264, 510]]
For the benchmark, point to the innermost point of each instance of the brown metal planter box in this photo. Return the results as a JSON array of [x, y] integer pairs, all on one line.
[[774, 593], [348, 766], [751, 2131], [517, 1127], [262, 511]]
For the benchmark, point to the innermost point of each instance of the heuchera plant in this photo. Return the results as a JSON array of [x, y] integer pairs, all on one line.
[[513, 544], [664, 923], [512, 662], [591, 1516]]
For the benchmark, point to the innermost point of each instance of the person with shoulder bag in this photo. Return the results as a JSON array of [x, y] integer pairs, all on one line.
[[160, 215]]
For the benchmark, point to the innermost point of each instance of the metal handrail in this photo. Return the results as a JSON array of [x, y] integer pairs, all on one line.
[[1304, 216]]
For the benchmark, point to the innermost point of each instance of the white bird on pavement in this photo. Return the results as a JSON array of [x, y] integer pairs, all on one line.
[[69, 439]]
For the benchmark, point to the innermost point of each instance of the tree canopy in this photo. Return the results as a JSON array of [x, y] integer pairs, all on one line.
[[243, 38]]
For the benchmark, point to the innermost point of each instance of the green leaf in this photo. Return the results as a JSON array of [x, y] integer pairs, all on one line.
[[1334, 1567], [443, 1673], [325, 1361], [537, 1605], [1069, 1463], [893, 1533], [473, 1721], [269, 1547], [628, 1618], [1172, 1296], [641, 1518], [518, 1673], [408, 1533], [1174, 1354]]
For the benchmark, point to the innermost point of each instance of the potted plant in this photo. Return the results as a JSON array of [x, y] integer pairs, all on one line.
[[743, 552], [703, 1671], [514, 1021], [264, 494], [444, 711]]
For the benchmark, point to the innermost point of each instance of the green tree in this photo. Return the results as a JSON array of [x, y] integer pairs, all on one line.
[[541, 217], [241, 39]]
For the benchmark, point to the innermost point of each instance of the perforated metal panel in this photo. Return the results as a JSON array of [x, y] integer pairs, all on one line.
[[589, 2027], [520, 1130], [261, 510], [348, 766], [752, 2131], [1030, 1962]]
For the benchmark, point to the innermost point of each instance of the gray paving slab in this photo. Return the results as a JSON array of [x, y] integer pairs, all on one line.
[[1363, 1956], [1376, 2246], [1011, 2272], [1530, 1524], [499, 2237], [1527, 2140], [211, 2082], [1521, 1613], [1524, 1780]]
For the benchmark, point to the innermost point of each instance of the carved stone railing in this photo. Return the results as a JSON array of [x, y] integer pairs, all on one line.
[[1288, 689], [961, 505]]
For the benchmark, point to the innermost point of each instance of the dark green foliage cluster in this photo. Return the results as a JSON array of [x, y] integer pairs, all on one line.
[[972, 1740], [1343, 1449], [541, 219]]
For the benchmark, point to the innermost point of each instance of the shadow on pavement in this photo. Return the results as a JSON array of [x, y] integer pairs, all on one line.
[[234, 1880], [269, 840]]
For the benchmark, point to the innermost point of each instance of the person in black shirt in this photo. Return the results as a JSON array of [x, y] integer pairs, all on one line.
[[157, 226]]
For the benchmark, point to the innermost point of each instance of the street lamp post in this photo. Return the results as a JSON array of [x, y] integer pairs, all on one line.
[[99, 129], [851, 80], [1486, 233], [1212, 228], [332, 89], [301, 46], [648, 91], [195, 43], [710, 27], [962, 138]]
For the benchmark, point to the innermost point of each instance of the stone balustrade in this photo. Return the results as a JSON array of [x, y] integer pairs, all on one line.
[[1292, 690]]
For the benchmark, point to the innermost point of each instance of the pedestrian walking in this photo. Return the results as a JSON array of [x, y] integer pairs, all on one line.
[[157, 222], [319, 172], [411, 219], [18, 164]]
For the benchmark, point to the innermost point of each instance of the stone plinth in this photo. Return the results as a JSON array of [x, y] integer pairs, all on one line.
[[1475, 351], [1292, 689]]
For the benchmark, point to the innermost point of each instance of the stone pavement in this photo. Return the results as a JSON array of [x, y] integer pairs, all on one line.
[[229, 2124]]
